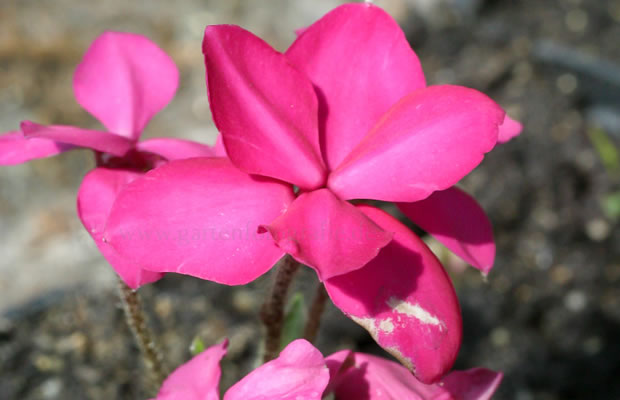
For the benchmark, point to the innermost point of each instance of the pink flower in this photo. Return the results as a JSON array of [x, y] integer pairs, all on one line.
[[344, 114], [301, 373], [123, 80]]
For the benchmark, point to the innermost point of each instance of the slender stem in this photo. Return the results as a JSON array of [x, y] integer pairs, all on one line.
[[272, 313], [137, 321], [314, 315]]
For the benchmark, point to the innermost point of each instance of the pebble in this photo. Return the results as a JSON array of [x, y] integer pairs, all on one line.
[[561, 274], [575, 301], [566, 83], [500, 337], [51, 388], [576, 20], [598, 229], [47, 363], [244, 300]]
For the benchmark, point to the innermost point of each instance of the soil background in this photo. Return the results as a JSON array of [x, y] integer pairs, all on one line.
[[549, 313]]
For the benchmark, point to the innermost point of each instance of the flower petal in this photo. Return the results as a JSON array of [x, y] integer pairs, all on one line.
[[509, 129], [473, 384], [173, 149], [327, 234], [123, 80], [95, 140], [361, 64], [298, 373], [427, 142], [456, 220], [265, 109], [218, 147], [199, 217], [365, 377], [15, 148], [197, 379], [404, 298], [95, 198], [370, 378]]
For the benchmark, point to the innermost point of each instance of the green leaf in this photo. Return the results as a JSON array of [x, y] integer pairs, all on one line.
[[606, 149], [294, 320], [197, 346], [611, 205]]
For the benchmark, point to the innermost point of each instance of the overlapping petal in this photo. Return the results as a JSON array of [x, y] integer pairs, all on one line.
[[174, 149], [365, 377], [327, 234], [70, 135], [123, 80], [265, 109], [473, 384], [198, 379], [15, 148], [361, 64], [199, 217], [509, 129], [298, 373], [405, 300], [95, 198], [426, 142], [457, 221]]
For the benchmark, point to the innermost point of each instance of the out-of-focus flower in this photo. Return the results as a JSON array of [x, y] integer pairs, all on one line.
[[123, 80], [301, 373]]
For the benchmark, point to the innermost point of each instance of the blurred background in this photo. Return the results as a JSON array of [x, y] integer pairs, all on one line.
[[549, 313]]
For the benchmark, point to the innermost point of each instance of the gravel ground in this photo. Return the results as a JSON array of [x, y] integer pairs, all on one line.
[[549, 314]]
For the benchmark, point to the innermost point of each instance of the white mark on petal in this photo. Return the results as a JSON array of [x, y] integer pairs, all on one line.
[[415, 311], [386, 325], [368, 324], [406, 361]]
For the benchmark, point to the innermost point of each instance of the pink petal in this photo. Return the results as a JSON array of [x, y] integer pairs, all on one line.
[[197, 379], [427, 142], [473, 384], [404, 298], [359, 60], [173, 149], [298, 373], [364, 377], [199, 217], [95, 198], [327, 234], [17, 149], [456, 220], [265, 109], [123, 80], [370, 377], [509, 129], [95, 140], [218, 147]]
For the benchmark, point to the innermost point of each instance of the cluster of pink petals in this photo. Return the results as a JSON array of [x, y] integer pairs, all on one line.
[[344, 114], [301, 373], [123, 80]]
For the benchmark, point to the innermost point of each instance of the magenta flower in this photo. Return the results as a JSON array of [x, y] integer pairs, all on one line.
[[301, 373], [343, 115], [123, 80]]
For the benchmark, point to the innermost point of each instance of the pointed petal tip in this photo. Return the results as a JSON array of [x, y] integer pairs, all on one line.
[[266, 110], [15, 148]]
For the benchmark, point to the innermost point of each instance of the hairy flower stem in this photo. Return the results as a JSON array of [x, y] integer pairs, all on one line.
[[272, 312], [314, 315], [137, 321]]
